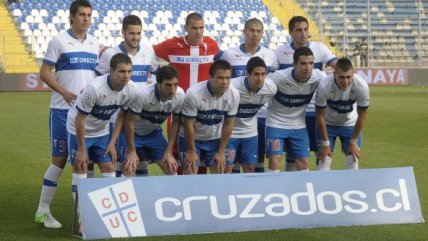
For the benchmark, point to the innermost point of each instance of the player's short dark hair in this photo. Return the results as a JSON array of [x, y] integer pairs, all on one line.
[[254, 62], [76, 4], [302, 51], [344, 64], [252, 21], [219, 64], [166, 72], [131, 20], [119, 58], [294, 20], [193, 16]]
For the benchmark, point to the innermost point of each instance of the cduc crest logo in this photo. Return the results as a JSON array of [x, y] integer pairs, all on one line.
[[118, 208]]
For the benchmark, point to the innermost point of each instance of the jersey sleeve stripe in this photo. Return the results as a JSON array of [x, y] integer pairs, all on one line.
[[188, 116], [48, 62], [82, 111]]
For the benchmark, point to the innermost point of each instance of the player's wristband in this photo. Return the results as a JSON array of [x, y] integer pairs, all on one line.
[[353, 141], [325, 143]]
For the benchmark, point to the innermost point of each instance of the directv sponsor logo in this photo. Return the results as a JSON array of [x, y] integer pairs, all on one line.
[[80, 60], [251, 206], [293, 100], [118, 208], [191, 59], [139, 73]]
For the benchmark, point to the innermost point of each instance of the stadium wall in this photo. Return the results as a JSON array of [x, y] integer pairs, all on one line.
[[375, 76]]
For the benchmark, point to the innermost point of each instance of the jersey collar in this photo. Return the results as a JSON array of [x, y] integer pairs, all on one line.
[[242, 48], [110, 84], [157, 94], [293, 74], [70, 32], [123, 49], [294, 48]]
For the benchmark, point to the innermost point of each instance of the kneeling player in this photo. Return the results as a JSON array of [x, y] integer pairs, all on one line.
[[148, 111], [341, 104]]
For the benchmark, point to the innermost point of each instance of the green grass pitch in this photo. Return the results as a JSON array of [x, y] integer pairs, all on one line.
[[396, 135]]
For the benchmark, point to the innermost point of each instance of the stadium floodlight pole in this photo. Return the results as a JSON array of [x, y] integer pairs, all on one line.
[[369, 35], [419, 33], [345, 29], [320, 21]]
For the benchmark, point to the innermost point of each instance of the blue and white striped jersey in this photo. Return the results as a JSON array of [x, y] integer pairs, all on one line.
[[341, 104], [322, 55], [99, 101], [238, 58], [287, 108], [208, 111], [74, 63], [143, 63], [152, 111], [249, 105]]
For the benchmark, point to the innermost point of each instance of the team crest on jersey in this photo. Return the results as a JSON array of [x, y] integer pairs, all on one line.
[[286, 53], [332, 94], [238, 56]]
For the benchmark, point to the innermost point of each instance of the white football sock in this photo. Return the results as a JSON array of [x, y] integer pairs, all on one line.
[[324, 165], [109, 174], [74, 179], [50, 180], [351, 162]]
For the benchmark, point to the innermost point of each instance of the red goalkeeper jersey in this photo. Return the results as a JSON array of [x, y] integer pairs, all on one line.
[[191, 62]]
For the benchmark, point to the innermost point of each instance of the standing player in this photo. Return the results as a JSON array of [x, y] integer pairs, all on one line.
[[255, 90], [285, 120], [298, 28], [208, 112], [73, 54], [191, 55], [238, 58], [341, 104], [88, 121], [143, 64], [148, 111], [142, 55]]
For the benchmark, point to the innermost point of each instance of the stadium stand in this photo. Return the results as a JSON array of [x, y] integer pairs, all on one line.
[[162, 19], [397, 34], [393, 26], [14, 58]]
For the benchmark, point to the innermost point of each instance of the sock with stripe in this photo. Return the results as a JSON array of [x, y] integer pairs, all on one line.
[[76, 176], [50, 180]]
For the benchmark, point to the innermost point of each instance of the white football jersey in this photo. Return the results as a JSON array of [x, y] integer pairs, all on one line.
[[342, 104], [287, 108], [99, 102], [74, 63], [143, 63], [249, 105], [322, 55], [152, 111], [208, 111], [238, 58]]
